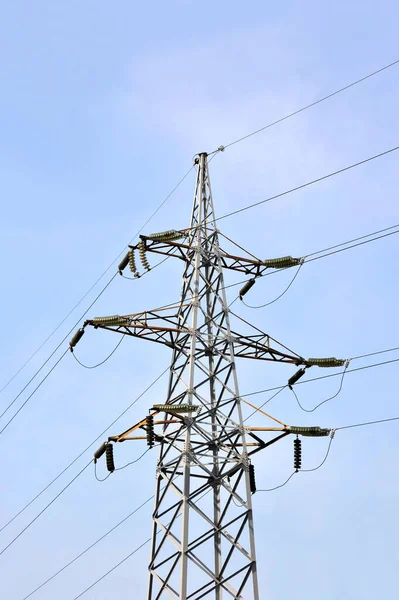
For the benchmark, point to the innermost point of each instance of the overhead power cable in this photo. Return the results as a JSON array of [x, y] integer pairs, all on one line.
[[103, 361], [300, 110], [309, 183], [301, 470], [85, 449], [45, 508], [280, 388], [368, 423], [39, 587], [93, 286], [57, 348], [34, 391]]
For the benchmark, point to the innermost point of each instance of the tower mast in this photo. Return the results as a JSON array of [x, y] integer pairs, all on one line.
[[204, 552]]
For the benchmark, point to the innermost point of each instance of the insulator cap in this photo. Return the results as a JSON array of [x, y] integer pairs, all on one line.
[[295, 377], [175, 408], [310, 431], [282, 263], [109, 455], [252, 482], [124, 263], [98, 453], [78, 336], [297, 454], [246, 287], [166, 236], [325, 362]]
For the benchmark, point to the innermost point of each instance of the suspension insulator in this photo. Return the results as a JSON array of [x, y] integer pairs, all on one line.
[[175, 408], [310, 431], [109, 455], [325, 362], [143, 255], [112, 320], [246, 287], [297, 454], [149, 421], [132, 261], [78, 336], [98, 453], [252, 482], [124, 263], [167, 236], [295, 377], [282, 263]]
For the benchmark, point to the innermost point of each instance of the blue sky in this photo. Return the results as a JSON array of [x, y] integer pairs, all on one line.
[[102, 109]]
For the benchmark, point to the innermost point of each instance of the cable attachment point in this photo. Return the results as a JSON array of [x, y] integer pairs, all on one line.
[[284, 262], [149, 422], [246, 287], [78, 336], [332, 433], [109, 456], [221, 148], [295, 377], [325, 362], [297, 454]]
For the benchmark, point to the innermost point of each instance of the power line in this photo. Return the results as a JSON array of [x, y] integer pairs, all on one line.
[[88, 548], [34, 391], [282, 387], [367, 423], [93, 286], [57, 348], [310, 410], [301, 471], [304, 185], [296, 112], [85, 449], [52, 354], [45, 508], [103, 361]]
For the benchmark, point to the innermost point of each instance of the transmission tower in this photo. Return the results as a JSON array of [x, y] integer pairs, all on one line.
[[203, 542]]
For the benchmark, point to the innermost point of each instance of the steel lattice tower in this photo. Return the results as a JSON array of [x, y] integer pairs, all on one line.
[[203, 542], [208, 453]]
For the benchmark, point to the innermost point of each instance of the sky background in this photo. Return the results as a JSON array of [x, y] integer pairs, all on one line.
[[102, 109]]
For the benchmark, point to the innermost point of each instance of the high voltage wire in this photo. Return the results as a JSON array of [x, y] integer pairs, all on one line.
[[59, 360], [300, 110], [45, 508], [88, 548], [92, 287], [309, 183], [85, 450], [280, 388]]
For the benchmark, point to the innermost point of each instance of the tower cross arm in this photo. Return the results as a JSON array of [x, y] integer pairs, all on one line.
[[177, 249], [158, 325], [263, 347]]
